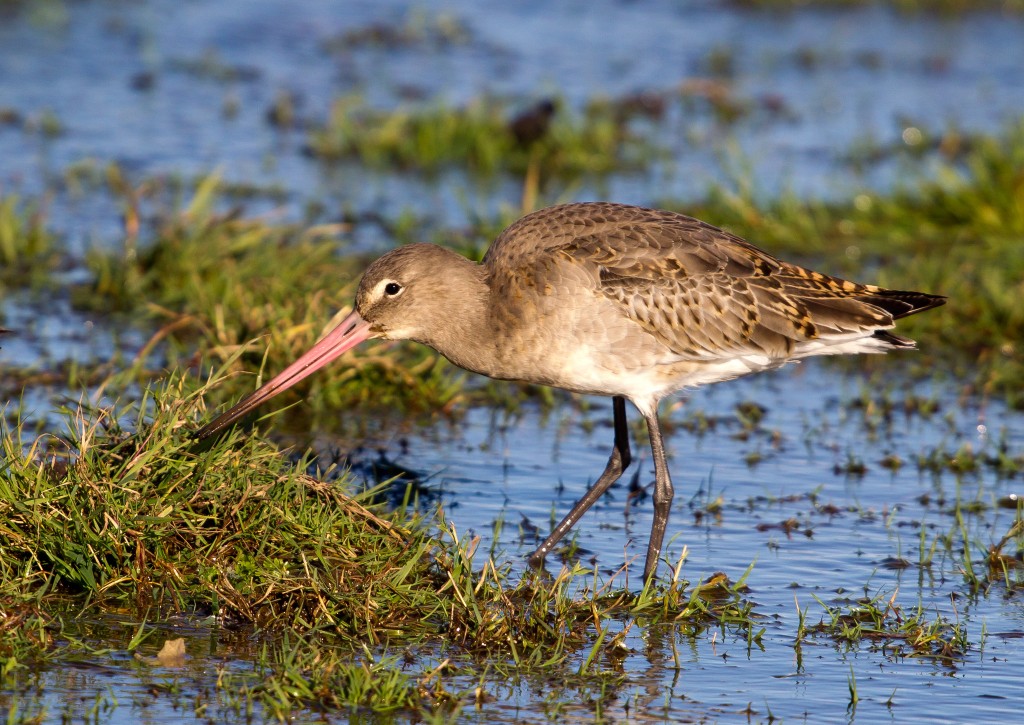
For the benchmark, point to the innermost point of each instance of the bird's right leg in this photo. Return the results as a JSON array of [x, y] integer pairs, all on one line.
[[617, 463]]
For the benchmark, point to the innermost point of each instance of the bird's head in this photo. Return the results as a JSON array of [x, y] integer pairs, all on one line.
[[404, 295], [403, 292]]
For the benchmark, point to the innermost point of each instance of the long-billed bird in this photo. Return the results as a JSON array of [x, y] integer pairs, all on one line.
[[608, 299]]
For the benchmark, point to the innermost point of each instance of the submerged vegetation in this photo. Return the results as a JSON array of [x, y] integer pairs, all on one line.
[[899, 633]]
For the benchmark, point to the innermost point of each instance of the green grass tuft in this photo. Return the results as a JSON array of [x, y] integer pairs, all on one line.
[[28, 251], [477, 138], [124, 513]]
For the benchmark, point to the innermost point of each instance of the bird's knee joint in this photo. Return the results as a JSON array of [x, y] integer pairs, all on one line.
[[663, 495]]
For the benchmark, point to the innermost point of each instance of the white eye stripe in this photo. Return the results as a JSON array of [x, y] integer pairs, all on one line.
[[387, 288]]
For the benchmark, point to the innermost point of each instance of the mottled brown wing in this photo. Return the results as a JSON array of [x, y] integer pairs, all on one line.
[[702, 292]]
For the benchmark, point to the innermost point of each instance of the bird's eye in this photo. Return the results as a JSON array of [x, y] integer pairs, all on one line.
[[392, 288]]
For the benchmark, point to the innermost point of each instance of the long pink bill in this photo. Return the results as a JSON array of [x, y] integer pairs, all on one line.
[[352, 331]]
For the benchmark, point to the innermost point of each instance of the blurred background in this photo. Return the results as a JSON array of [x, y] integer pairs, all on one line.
[[319, 108]]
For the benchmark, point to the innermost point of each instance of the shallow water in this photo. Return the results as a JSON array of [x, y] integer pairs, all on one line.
[[845, 78], [504, 471]]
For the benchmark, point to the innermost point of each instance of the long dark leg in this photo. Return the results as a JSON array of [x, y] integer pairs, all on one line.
[[617, 463], [663, 493]]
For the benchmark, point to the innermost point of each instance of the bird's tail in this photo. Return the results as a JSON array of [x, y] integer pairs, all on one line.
[[901, 303]]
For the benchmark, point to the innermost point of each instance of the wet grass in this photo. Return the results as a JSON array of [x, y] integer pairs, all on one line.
[[135, 519], [124, 515], [251, 296], [881, 622]]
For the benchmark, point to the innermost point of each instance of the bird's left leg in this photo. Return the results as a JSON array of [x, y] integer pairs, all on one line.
[[663, 493]]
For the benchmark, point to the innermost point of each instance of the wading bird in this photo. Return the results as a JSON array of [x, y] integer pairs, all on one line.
[[608, 299]]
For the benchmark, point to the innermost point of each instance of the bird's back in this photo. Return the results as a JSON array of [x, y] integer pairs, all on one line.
[[702, 293]]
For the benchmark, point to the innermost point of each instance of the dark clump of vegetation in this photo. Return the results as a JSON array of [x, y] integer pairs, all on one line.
[[417, 29], [899, 632]]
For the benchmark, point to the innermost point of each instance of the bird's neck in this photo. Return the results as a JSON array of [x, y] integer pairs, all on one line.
[[464, 333]]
